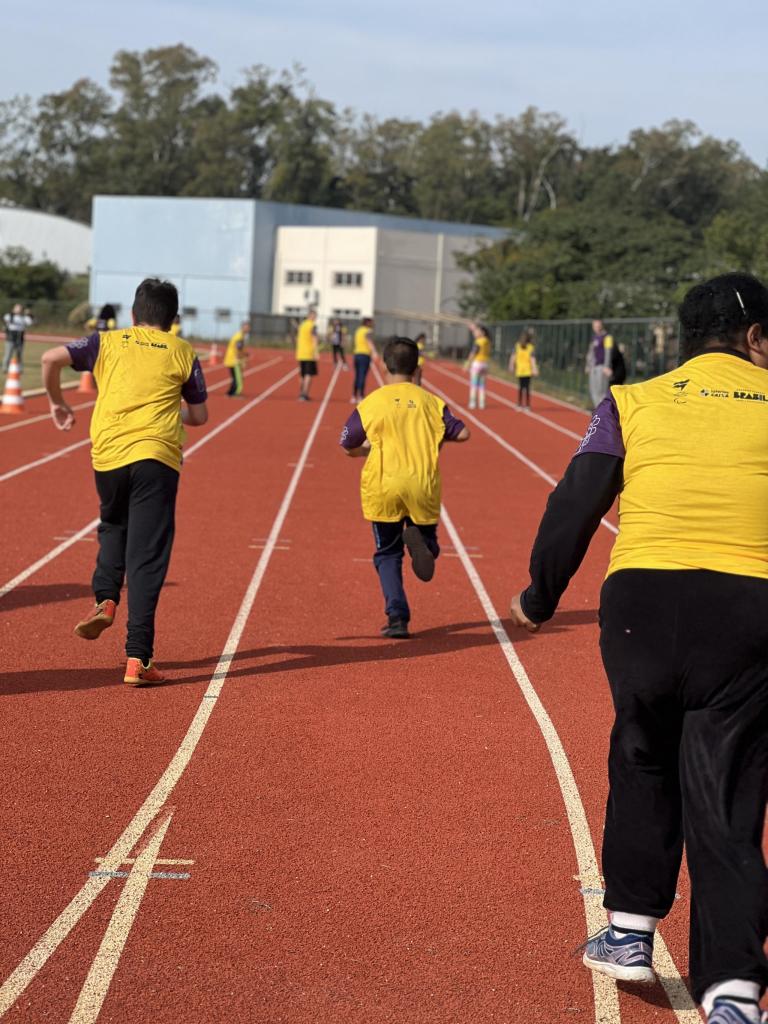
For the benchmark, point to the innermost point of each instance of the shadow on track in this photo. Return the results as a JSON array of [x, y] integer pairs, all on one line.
[[39, 594], [655, 995], [346, 650]]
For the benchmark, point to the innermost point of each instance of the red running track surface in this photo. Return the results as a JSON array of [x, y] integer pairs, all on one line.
[[375, 828]]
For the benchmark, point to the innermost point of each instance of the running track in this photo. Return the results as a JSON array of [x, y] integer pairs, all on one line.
[[308, 823]]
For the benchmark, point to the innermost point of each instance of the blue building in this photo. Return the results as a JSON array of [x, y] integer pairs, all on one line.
[[221, 254]]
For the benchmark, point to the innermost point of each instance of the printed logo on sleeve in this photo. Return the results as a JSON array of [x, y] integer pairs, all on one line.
[[591, 431]]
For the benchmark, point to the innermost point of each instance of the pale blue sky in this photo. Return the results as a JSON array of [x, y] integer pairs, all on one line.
[[606, 66]]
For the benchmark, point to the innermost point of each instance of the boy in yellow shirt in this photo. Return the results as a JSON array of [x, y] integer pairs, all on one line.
[[523, 364], [399, 430], [143, 373], [306, 353], [235, 358]]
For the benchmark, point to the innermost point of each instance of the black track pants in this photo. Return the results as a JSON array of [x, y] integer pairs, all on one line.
[[138, 503], [686, 654]]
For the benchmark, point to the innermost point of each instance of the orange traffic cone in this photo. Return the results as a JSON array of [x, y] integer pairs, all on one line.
[[213, 355], [87, 383], [13, 400]]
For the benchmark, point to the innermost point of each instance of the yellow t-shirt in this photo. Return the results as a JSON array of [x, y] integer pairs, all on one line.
[[306, 341], [523, 360], [140, 373], [233, 355], [420, 346], [483, 346], [405, 426], [695, 490], [175, 329], [362, 341]]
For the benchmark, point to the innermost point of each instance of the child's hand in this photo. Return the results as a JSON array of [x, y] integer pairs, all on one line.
[[519, 618], [62, 415]]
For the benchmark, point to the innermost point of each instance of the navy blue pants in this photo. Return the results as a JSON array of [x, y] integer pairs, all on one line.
[[388, 561], [362, 365]]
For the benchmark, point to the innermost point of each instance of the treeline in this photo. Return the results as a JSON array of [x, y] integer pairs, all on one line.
[[609, 231]]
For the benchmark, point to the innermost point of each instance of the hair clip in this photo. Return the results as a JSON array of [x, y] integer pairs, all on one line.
[[743, 307]]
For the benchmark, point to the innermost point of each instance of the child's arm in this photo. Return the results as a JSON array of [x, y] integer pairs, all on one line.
[[353, 437], [455, 429], [54, 360], [195, 395]]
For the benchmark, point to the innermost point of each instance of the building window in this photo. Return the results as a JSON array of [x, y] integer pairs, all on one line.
[[347, 279], [294, 310], [298, 277], [346, 314], [190, 311]]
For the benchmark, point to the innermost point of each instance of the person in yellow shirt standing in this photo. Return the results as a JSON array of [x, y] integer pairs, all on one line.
[[364, 351], [176, 326], [306, 353], [523, 364], [235, 357], [479, 358], [399, 430], [143, 373], [683, 613], [421, 344]]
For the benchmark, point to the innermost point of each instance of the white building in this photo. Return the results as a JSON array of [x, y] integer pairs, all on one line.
[[351, 272], [64, 242]]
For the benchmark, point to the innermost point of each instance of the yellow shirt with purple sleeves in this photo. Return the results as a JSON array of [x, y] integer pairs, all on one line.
[[141, 374], [405, 426]]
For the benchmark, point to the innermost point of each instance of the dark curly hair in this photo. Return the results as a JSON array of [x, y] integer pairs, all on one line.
[[721, 310]]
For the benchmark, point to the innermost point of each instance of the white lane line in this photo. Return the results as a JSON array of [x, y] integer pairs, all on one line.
[[466, 415], [44, 416], [606, 996], [41, 462], [79, 444], [96, 986], [54, 553], [154, 803], [516, 408]]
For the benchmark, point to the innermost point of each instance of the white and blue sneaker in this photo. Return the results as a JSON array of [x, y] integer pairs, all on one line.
[[727, 1010], [622, 955]]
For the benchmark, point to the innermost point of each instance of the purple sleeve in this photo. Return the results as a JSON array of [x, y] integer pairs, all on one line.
[[603, 434], [353, 434], [193, 390], [453, 426], [84, 352]]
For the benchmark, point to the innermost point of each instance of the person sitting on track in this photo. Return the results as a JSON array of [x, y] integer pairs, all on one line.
[[306, 353], [399, 430], [683, 616], [477, 362], [142, 373]]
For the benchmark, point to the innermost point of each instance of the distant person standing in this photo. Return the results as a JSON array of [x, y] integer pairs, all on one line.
[[337, 339], [176, 327], [306, 353], [523, 364], [598, 365], [235, 358], [364, 350], [16, 323], [105, 321], [421, 344], [479, 358]]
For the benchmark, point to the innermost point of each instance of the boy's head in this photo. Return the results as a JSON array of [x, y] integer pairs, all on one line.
[[726, 310], [401, 357], [312, 314], [156, 303], [245, 326], [367, 321]]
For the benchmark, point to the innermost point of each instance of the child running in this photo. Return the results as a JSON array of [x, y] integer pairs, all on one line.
[[306, 353], [523, 364], [235, 357], [142, 372], [365, 349], [399, 430], [477, 362]]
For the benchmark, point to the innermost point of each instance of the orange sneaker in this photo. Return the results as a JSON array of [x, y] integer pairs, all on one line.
[[101, 618], [138, 674]]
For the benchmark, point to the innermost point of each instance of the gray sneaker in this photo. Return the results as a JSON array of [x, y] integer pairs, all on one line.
[[625, 956]]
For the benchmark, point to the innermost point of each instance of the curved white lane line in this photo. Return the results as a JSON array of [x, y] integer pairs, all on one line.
[[606, 995], [47, 945]]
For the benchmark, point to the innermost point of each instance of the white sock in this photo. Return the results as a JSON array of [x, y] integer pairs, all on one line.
[[472, 397], [634, 922], [735, 987], [481, 395]]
